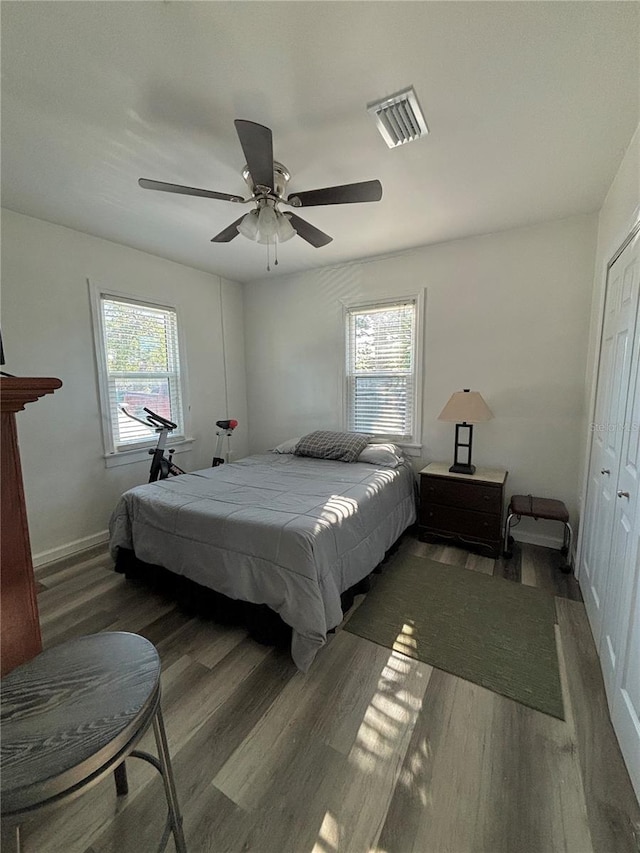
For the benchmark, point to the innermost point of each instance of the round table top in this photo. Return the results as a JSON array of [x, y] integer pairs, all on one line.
[[70, 711]]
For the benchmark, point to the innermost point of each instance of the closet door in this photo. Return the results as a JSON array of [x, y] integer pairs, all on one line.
[[608, 434], [615, 609], [625, 709], [620, 643]]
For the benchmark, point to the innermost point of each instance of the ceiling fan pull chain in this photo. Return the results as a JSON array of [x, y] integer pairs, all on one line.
[[268, 265], [275, 251]]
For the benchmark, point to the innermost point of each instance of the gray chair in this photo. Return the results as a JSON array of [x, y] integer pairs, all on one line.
[[71, 716]]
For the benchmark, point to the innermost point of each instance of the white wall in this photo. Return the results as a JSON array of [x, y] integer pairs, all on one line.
[[507, 314], [47, 331]]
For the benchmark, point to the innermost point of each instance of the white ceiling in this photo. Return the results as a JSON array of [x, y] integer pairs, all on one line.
[[530, 108]]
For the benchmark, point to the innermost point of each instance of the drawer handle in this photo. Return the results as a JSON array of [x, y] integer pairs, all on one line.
[[486, 498], [624, 495], [430, 515]]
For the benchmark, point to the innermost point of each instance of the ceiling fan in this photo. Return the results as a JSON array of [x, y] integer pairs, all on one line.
[[267, 182]]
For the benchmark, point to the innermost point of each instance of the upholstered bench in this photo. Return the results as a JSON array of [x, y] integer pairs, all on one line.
[[527, 506]]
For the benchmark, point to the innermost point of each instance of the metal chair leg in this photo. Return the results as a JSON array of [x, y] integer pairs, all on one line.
[[11, 839], [169, 783], [120, 776], [505, 543]]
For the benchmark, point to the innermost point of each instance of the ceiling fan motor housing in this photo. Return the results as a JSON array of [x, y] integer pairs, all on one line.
[[281, 178]]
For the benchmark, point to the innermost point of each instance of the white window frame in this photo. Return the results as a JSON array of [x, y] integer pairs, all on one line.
[[411, 444], [113, 455]]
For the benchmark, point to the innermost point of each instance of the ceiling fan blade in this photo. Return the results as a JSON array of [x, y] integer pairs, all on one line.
[[309, 232], [257, 145], [229, 232], [344, 194], [146, 184]]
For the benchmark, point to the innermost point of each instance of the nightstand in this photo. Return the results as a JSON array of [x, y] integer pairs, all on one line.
[[463, 507]]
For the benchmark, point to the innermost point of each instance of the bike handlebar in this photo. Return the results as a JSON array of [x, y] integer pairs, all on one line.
[[153, 420], [158, 422], [159, 419]]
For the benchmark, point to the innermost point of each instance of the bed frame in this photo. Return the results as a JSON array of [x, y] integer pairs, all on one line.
[[264, 625]]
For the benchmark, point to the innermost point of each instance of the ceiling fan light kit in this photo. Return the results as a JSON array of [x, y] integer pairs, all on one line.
[[267, 182]]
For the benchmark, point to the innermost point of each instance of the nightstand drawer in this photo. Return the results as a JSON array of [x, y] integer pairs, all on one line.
[[462, 494], [462, 522]]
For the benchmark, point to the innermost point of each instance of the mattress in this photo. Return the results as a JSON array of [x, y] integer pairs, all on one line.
[[289, 532]]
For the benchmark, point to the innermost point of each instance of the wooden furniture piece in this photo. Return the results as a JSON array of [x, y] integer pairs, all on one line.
[[527, 506], [19, 611], [463, 507], [71, 716]]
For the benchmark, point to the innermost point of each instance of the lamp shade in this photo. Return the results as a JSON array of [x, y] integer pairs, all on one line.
[[267, 222], [285, 229], [466, 407], [249, 225]]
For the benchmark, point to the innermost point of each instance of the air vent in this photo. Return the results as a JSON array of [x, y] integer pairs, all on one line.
[[399, 118]]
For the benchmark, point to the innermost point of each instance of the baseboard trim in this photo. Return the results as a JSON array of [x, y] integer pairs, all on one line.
[[537, 539], [88, 542], [70, 549]]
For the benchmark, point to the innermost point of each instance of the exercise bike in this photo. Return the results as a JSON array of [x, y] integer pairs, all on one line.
[[163, 466]]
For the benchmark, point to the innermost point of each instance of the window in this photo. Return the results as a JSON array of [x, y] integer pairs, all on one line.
[[381, 376], [138, 368]]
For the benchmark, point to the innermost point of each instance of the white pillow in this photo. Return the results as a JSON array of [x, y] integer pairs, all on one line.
[[387, 455], [287, 446]]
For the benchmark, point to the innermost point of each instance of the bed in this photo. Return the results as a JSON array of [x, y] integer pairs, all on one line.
[[275, 529]]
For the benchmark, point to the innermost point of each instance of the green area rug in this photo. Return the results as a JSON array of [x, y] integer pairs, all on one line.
[[491, 631]]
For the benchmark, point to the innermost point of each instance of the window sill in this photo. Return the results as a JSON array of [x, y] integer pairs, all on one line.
[[141, 454]]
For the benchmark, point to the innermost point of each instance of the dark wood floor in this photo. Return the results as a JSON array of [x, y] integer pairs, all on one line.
[[369, 752]]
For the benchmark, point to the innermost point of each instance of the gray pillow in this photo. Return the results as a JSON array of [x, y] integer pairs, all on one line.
[[324, 444]]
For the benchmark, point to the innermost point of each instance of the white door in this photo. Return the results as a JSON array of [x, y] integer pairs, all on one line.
[[608, 434], [620, 642], [625, 709], [626, 492]]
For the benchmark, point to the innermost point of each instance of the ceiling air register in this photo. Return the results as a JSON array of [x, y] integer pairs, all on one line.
[[399, 118]]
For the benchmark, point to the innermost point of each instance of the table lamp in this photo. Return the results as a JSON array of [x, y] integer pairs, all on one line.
[[465, 408]]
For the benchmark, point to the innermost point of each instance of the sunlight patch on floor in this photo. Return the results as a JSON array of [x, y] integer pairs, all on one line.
[[406, 642], [415, 771], [329, 837], [392, 709]]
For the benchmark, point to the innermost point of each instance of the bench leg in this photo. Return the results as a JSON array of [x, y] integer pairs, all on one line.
[[506, 550], [566, 548]]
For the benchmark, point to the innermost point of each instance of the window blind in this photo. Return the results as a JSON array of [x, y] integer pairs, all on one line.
[[381, 368], [142, 367]]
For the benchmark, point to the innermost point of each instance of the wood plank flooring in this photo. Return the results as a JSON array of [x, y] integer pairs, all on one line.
[[369, 752]]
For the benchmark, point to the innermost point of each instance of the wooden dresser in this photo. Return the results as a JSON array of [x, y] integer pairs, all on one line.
[[467, 508], [18, 606]]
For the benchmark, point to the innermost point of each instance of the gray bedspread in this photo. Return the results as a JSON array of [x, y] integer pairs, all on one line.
[[281, 530]]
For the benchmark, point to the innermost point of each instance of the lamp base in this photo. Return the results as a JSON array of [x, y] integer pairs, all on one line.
[[459, 468]]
